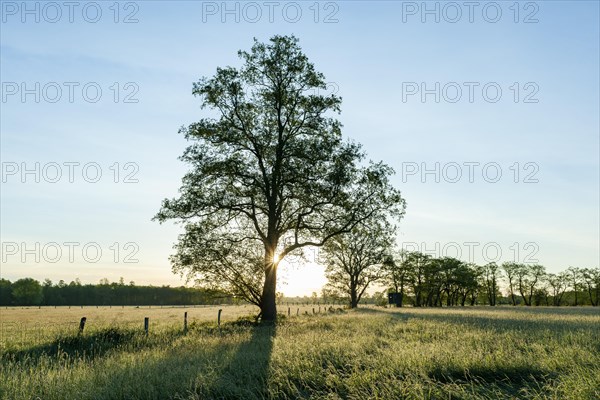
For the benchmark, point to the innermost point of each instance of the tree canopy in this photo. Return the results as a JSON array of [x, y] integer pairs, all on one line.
[[355, 260], [269, 175]]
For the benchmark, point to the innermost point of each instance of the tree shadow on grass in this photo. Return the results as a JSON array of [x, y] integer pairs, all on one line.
[[490, 382], [72, 347], [246, 374], [224, 369]]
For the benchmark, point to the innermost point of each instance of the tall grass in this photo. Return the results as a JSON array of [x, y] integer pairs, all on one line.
[[479, 353]]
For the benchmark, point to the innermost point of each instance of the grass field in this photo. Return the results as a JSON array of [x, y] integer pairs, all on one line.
[[370, 353]]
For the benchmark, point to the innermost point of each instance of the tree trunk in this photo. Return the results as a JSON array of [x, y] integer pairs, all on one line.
[[353, 296], [591, 296], [268, 306], [512, 293]]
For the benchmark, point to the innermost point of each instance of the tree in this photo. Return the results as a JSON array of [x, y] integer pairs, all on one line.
[[418, 263], [354, 260], [397, 273], [528, 277], [330, 296], [491, 273], [279, 296], [314, 297], [467, 282], [437, 279], [5, 292], [575, 279], [48, 292], [591, 279], [511, 269], [270, 175], [379, 299], [558, 284], [27, 292]]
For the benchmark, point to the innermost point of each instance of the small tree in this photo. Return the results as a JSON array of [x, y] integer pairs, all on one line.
[[558, 284], [591, 279], [575, 281], [418, 263], [379, 299], [314, 297], [491, 273], [397, 273], [511, 269], [27, 292], [528, 277], [355, 260]]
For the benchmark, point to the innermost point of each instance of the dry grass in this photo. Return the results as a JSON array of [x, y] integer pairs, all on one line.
[[23, 326], [471, 353]]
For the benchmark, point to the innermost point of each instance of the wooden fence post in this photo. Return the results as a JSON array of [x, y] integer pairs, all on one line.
[[146, 324], [82, 324], [288, 311], [297, 312], [185, 322], [219, 317]]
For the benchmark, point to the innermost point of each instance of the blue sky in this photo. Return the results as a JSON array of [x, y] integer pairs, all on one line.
[[372, 55]]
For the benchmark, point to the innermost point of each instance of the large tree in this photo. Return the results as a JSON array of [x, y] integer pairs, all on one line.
[[269, 174]]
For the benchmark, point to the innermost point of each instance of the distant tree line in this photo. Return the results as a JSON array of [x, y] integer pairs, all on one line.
[[362, 257], [425, 281], [30, 292]]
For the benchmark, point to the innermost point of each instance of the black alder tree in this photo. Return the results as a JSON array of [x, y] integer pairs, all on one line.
[[269, 174]]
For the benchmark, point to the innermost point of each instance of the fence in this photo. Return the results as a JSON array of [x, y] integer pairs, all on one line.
[[33, 331]]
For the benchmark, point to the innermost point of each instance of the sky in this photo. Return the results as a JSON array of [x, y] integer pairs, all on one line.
[[487, 111]]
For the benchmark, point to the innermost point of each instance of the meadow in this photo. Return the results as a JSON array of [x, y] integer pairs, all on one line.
[[368, 353]]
